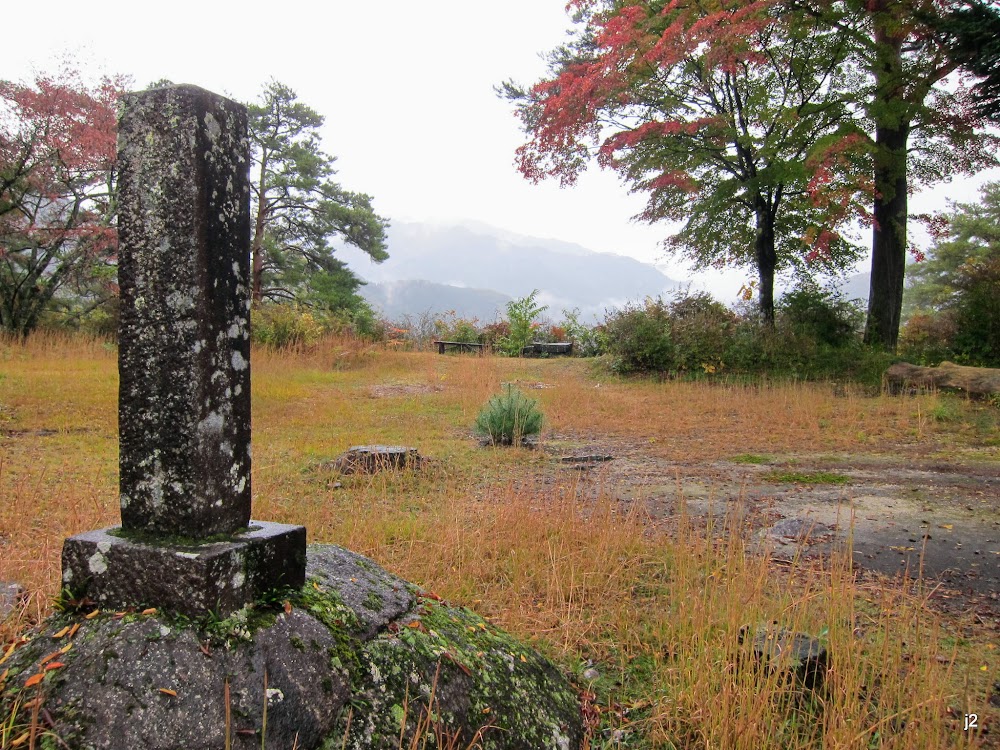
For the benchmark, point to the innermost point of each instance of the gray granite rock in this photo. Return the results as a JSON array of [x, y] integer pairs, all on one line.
[[342, 657], [799, 656], [376, 596], [11, 597], [117, 569]]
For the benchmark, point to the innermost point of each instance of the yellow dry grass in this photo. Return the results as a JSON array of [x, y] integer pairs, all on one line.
[[587, 578]]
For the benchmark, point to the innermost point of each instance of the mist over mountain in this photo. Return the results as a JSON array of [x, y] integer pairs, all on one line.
[[475, 266], [396, 299]]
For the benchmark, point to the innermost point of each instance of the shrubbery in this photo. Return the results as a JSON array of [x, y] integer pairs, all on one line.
[[815, 334], [588, 341], [639, 337], [821, 315], [450, 327], [521, 320], [977, 314], [281, 325]]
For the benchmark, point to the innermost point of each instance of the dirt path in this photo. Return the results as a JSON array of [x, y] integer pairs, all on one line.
[[939, 521]]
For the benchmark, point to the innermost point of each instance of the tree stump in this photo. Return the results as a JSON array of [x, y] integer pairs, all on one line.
[[372, 459]]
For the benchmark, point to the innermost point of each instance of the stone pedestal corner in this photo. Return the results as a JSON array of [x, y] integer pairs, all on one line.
[[193, 579]]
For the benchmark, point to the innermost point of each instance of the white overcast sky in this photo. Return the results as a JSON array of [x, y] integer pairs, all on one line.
[[406, 88]]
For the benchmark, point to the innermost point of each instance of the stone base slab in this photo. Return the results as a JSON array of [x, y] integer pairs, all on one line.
[[117, 571]]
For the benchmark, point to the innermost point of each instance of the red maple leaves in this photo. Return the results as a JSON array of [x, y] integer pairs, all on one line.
[[57, 158]]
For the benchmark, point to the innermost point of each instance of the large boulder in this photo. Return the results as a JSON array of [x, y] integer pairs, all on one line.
[[976, 381], [357, 658]]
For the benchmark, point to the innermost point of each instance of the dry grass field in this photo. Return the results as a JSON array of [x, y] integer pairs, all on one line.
[[641, 602]]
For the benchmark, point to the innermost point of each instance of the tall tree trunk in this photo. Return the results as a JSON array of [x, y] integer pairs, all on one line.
[[891, 112], [885, 296], [766, 259]]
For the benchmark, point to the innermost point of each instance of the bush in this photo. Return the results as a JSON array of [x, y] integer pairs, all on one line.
[[639, 337], [926, 338], [509, 417], [820, 314], [284, 325], [977, 313], [588, 341], [450, 327], [702, 331], [815, 335], [494, 333]]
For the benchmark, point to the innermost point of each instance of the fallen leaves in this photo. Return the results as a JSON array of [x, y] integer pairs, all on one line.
[[8, 652], [34, 679]]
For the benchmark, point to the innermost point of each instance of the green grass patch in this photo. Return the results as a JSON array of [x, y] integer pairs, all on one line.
[[806, 477], [750, 458]]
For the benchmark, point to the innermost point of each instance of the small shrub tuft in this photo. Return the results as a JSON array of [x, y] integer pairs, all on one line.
[[509, 417]]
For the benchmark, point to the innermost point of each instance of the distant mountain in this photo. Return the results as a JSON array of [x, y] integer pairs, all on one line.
[[398, 298], [479, 257]]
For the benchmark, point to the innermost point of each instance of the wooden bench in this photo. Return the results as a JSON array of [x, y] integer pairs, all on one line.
[[543, 349], [462, 346]]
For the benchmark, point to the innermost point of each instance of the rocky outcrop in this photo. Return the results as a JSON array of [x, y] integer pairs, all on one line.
[[357, 658], [983, 382]]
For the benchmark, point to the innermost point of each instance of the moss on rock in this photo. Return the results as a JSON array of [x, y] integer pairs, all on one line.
[[358, 659]]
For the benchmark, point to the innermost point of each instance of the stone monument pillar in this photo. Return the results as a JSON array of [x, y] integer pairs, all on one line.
[[186, 542]]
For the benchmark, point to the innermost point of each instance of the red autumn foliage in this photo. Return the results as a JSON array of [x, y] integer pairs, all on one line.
[[697, 105], [57, 158]]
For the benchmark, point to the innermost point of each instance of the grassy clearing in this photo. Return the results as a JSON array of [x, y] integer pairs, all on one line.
[[645, 617]]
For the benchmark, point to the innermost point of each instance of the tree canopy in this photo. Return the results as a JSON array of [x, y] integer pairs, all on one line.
[[299, 211], [922, 126], [58, 239], [766, 126], [970, 31], [57, 210], [967, 235], [722, 113]]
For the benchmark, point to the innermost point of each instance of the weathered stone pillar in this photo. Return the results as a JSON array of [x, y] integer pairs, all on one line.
[[184, 336], [184, 364]]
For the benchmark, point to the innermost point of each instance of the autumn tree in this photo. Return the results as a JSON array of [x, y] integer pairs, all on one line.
[[721, 112], [299, 211], [923, 127], [57, 155]]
